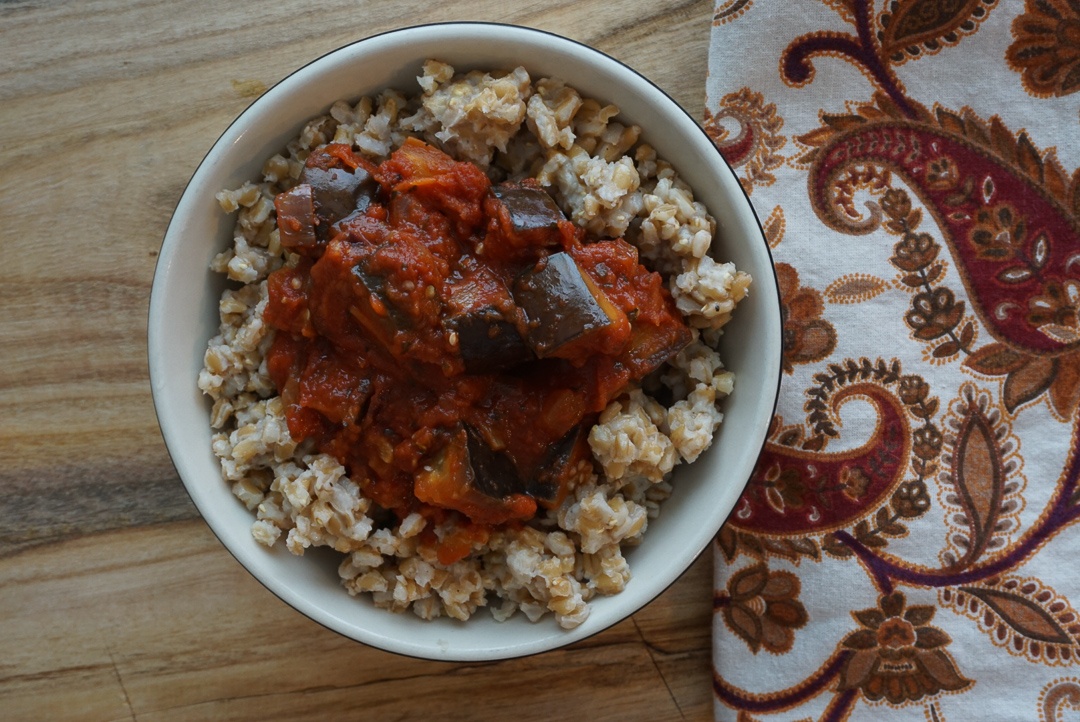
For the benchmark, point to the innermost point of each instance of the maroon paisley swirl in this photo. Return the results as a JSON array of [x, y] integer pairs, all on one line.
[[1062, 511], [796, 491], [736, 150], [991, 179], [910, 28]]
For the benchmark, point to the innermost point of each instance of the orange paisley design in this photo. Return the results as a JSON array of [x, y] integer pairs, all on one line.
[[923, 27], [755, 146], [807, 336], [922, 472], [1018, 266], [1046, 47], [897, 655], [763, 608]]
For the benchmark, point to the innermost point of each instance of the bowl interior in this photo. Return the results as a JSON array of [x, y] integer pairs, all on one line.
[[183, 317]]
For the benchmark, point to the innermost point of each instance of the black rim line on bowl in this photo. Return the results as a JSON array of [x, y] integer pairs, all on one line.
[[696, 123]]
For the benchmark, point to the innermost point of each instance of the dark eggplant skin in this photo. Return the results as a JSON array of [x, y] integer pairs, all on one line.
[[496, 475], [559, 303], [466, 462], [337, 194], [493, 472], [295, 210], [487, 342], [562, 457], [307, 212], [530, 209], [392, 320], [480, 310]]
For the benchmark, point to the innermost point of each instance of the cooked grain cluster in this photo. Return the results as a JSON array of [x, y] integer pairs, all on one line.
[[606, 180]]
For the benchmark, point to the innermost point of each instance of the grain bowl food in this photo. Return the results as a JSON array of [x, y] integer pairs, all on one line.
[[449, 497], [185, 311]]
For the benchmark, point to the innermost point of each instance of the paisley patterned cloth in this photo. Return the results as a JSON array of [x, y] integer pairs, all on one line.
[[908, 545]]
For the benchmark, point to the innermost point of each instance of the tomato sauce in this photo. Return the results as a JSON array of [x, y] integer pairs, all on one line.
[[450, 341]]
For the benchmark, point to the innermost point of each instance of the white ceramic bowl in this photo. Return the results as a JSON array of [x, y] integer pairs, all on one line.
[[183, 316]]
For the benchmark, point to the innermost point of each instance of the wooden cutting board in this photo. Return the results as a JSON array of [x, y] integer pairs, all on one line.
[[116, 601]]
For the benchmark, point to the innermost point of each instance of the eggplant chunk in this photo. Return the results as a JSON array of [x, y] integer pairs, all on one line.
[[337, 193], [496, 475], [651, 346], [562, 306], [557, 473], [466, 466], [296, 219], [377, 313], [462, 476], [306, 212], [529, 209], [487, 338], [486, 341], [493, 472], [474, 465], [447, 477]]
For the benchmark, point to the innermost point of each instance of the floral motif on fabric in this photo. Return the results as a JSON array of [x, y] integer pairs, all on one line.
[[754, 147], [729, 10], [807, 336], [980, 486], [913, 28], [1024, 616], [897, 655], [1019, 267], [774, 226], [1046, 47], [855, 288], [800, 491], [763, 608], [965, 226], [1056, 696]]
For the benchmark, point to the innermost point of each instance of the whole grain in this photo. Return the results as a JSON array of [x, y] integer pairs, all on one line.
[[607, 180]]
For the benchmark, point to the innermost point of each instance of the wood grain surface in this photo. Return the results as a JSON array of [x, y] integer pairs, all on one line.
[[116, 601]]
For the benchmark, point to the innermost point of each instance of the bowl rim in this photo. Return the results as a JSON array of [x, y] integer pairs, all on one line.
[[153, 333]]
